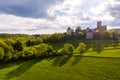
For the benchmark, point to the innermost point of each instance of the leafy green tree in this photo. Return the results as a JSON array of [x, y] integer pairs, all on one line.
[[81, 47], [55, 38], [9, 42], [41, 50], [115, 35], [78, 29], [97, 34], [7, 50], [2, 54], [107, 35], [18, 46], [22, 40], [30, 43], [38, 41], [80, 34], [67, 49]]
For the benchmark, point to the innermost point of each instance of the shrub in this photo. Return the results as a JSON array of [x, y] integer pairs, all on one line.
[[81, 47], [68, 48]]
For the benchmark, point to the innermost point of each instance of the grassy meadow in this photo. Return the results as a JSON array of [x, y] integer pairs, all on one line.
[[97, 63]]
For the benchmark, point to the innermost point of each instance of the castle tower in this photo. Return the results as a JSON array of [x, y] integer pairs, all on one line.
[[99, 24], [101, 28]]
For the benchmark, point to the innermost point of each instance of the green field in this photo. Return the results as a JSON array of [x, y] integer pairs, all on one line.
[[88, 66], [100, 62]]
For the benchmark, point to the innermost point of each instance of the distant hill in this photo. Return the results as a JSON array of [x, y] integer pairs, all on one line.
[[117, 29]]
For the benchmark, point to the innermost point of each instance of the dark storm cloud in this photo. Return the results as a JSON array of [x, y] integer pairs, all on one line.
[[28, 8]]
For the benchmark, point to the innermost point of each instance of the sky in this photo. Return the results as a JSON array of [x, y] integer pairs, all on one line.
[[51, 16]]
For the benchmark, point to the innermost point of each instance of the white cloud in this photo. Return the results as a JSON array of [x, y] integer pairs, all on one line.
[[69, 13]]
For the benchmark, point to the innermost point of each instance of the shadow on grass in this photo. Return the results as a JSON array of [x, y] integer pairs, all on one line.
[[116, 43], [23, 67], [60, 61], [76, 60], [98, 46]]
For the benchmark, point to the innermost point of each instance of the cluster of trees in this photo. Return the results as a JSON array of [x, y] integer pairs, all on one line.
[[81, 34], [112, 35], [14, 49]]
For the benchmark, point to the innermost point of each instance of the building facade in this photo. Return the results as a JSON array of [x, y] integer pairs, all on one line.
[[70, 31]]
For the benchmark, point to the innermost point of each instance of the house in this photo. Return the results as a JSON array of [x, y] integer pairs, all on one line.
[[70, 31], [89, 33]]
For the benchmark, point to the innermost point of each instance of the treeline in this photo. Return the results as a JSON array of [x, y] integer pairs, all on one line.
[[24, 48], [20, 46]]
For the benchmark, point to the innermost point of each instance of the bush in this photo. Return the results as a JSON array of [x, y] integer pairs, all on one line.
[[67, 49], [81, 47]]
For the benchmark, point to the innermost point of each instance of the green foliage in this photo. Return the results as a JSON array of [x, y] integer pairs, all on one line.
[[2, 54], [18, 46], [9, 42], [30, 43], [80, 34], [29, 52], [55, 38], [41, 50], [97, 34], [22, 40], [115, 35], [38, 41], [67, 49], [78, 29], [107, 35], [81, 47], [7, 50]]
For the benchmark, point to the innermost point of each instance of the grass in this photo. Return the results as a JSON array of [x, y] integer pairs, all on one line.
[[63, 68], [91, 65]]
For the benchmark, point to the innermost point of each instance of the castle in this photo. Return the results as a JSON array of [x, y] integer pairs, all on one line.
[[89, 33]]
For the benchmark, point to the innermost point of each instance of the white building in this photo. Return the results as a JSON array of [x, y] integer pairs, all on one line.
[[69, 31]]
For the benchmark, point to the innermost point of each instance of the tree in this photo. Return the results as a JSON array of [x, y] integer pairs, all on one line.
[[67, 49], [78, 29], [115, 35], [6, 49], [42, 50], [55, 38], [2, 54], [18, 46], [107, 35], [80, 34], [38, 41], [81, 47], [97, 34], [30, 43]]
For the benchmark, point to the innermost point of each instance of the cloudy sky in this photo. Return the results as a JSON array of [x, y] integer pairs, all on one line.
[[50, 16]]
